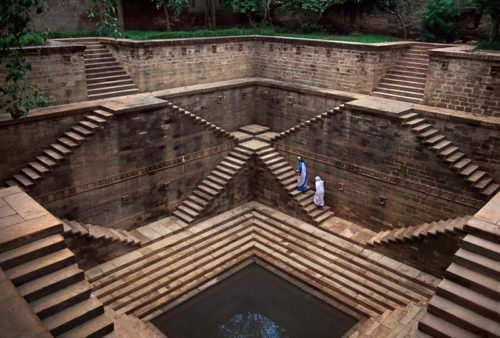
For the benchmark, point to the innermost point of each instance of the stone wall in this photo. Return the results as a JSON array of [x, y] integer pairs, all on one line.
[[464, 80], [64, 15], [377, 173]]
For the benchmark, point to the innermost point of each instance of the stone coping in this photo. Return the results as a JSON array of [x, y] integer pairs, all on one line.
[[55, 47], [380, 46], [465, 52], [361, 102], [490, 212]]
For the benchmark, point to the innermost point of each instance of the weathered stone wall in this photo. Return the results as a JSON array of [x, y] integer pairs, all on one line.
[[342, 66], [64, 15], [139, 168], [432, 255], [377, 173], [465, 81]]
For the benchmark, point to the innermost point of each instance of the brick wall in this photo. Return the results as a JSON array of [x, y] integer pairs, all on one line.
[[465, 81]]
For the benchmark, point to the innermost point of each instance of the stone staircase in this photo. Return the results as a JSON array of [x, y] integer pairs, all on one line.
[[60, 150], [161, 276], [419, 232], [199, 120], [406, 80], [307, 123], [467, 301], [100, 233], [450, 154], [105, 75], [36, 260], [287, 177], [216, 181]]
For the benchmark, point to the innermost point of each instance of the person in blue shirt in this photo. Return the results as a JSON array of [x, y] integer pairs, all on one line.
[[302, 178]]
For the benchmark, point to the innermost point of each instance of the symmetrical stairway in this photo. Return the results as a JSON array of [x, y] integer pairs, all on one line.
[[60, 150], [287, 177], [105, 75], [406, 80], [177, 267], [419, 232], [307, 123], [36, 260], [194, 205], [450, 154], [100, 233], [467, 302]]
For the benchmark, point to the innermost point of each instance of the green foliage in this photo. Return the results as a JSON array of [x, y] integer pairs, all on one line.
[[176, 5], [250, 8], [105, 15], [18, 95], [318, 6], [491, 8], [491, 45], [438, 21]]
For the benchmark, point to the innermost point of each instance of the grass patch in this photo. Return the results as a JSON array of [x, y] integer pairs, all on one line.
[[38, 38], [491, 45]]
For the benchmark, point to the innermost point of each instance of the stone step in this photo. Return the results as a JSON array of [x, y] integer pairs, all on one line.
[[469, 170], [68, 143], [95, 81], [473, 280], [73, 316], [234, 160], [270, 156], [74, 136], [41, 266], [93, 60], [50, 283], [61, 299], [401, 88], [278, 165], [96, 119], [41, 167], [409, 68], [283, 170], [428, 133], [209, 233], [483, 230], [401, 77], [208, 190], [402, 93], [77, 227], [188, 211], [483, 183], [421, 128], [434, 139], [239, 156], [31, 251], [183, 216], [414, 122], [243, 151], [403, 82], [396, 97], [482, 247], [94, 56], [114, 94], [463, 163], [448, 151], [84, 132], [111, 88], [102, 113], [287, 176], [105, 74], [23, 180], [145, 290], [193, 206], [31, 174], [462, 317], [438, 327], [196, 200], [414, 61], [320, 219], [99, 326], [469, 299], [476, 176], [230, 165], [226, 170], [61, 149], [222, 176], [216, 180], [407, 73], [202, 195], [490, 190], [454, 158], [478, 263]]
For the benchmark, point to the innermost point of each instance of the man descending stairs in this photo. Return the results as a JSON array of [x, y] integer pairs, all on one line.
[[406, 80], [105, 75]]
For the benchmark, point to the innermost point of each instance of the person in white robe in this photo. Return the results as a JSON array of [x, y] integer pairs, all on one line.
[[319, 195]]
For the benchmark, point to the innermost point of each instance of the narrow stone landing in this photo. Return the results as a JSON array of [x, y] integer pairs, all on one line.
[[153, 279], [35, 259]]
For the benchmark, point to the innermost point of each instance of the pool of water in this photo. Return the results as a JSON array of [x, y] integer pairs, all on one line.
[[254, 303]]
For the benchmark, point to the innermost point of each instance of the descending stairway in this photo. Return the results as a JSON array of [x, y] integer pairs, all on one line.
[[287, 177], [406, 80], [105, 75], [307, 123], [450, 154], [43, 269], [195, 204], [177, 267], [99, 233], [419, 232], [467, 301], [60, 150]]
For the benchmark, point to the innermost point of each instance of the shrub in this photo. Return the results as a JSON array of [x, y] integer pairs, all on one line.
[[438, 21]]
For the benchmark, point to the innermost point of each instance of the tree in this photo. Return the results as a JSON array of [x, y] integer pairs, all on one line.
[[18, 95], [399, 8], [105, 14], [317, 6], [176, 5], [439, 21], [491, 8]]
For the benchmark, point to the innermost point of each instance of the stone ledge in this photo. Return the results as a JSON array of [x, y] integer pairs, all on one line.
[[465, 52]]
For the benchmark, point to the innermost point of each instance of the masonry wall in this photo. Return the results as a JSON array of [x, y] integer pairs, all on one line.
[[64, 15], [377, 173], [138, 169], [464, 81]]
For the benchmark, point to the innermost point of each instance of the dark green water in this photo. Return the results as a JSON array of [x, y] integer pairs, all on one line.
[[254, 303]]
